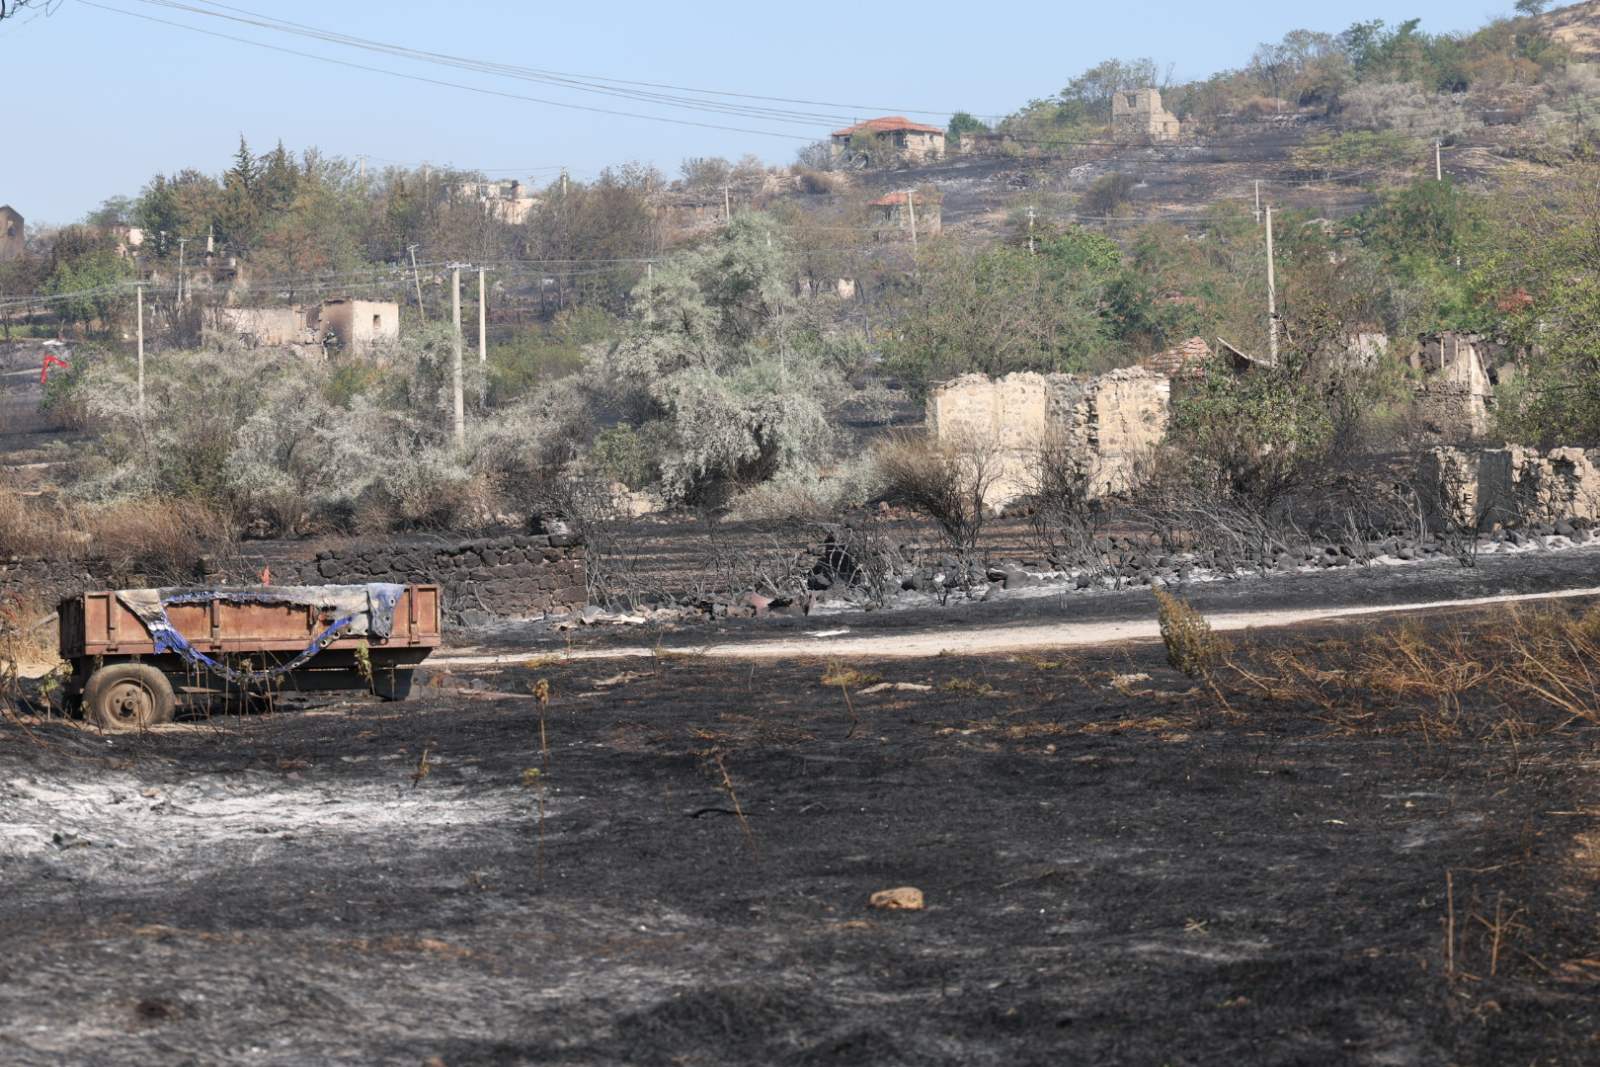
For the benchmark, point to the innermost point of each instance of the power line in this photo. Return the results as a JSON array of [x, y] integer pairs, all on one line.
[[544, 74], [448, 84]]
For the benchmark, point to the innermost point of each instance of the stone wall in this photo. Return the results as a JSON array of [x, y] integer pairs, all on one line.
[[1515, 485], [1113, 420], [512, 577]]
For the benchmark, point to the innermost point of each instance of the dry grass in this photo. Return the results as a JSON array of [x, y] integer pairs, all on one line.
[[1509, 674], [157, 537], [840, 675]]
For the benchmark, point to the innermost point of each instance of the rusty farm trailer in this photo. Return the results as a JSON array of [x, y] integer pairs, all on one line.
[[136, 653]]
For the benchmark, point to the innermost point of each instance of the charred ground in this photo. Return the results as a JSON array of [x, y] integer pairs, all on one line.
[[1117, 870]]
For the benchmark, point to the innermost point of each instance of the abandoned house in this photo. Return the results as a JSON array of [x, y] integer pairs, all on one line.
[[11, 233], [1137, 117], [1110, 423], [508, 201], [895, 215], [353, 326], [913, 142], [1456, 394]]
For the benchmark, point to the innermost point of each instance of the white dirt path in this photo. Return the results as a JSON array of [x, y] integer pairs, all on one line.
[[836, 642]]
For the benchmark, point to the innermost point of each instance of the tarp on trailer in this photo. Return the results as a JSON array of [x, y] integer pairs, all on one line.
[[357, 610]]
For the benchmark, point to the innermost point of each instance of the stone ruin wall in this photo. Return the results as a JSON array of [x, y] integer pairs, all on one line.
[[1112, 421], [521, 576], [1513, 485]]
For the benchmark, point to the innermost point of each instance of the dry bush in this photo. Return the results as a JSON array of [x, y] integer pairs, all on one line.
[[948, 482], [1192, 646], [159, 539], [1066, 517], [28, 529], [823, 182]]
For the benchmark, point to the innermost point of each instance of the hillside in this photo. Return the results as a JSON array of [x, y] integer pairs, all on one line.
[[1577, 27]]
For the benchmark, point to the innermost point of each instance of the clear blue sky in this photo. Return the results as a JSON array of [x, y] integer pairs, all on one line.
[[101, 101]]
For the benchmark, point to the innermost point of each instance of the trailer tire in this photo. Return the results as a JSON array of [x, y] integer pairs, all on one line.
[[121, 697]]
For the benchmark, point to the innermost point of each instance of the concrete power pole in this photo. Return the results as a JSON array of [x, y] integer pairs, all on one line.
[[483, 321], [139, 304], [1258, 201], [460, 403], [1272, 296], [1030, 230], [911, 212], [417, 278], [1438, 161], [727, 205], [181, 242]]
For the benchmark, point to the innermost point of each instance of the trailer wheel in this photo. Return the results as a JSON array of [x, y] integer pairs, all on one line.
[[128, 696]]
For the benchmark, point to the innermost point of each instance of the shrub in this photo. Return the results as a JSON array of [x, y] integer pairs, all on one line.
[[948, 482], [1191, 645], [1107, 195]]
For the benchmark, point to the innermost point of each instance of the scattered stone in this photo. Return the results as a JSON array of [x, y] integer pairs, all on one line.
[[903, 898], [1017, 578]]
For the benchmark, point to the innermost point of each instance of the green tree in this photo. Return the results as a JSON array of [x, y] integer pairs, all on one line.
[[962, 123]]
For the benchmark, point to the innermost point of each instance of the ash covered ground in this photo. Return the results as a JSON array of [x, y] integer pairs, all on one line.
[[1115, 872]]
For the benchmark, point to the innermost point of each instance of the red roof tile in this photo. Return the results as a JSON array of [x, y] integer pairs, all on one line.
[[1186, 360], [887, 124]]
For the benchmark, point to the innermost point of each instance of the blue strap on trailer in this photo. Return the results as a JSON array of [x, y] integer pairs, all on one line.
[[368, 610]]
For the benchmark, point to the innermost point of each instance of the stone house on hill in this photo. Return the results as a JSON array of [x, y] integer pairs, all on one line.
[[1138, 117], [913, 142], [11, 233]]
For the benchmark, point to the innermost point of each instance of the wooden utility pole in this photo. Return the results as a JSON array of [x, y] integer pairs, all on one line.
[[911, 210], [417, 278], [139, 306], [455, 362], [483, 321], [1272, 296]]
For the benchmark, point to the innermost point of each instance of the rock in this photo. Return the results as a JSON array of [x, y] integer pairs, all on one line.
[[903, 898], [1017, 578], [1565, 528], [1083, 581], [1406, 552], [820, 582]]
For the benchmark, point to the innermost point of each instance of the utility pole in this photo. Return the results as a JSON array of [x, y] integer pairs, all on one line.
[[1438, 161], [181, 242], [211, 238], [455, 361], [483, 322], [417, 278], [911, 213], [563, 183], [727, 205], [1258, 201], [139, 299], [1030, 230], [1272, 296], [363, 172]]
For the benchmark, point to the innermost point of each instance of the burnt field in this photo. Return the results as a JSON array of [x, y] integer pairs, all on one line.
[[1322, 856]]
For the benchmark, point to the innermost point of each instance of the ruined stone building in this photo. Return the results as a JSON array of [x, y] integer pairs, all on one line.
[[506, 200], [353, 326], [913, 142], [893, 215], [1456, 395], [1137, 117], [11, 233], [1112, 422]]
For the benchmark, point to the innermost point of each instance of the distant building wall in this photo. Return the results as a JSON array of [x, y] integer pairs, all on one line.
[[359, 325], [12, 233], [1110, 422], [1138, 116], [273, 327]]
